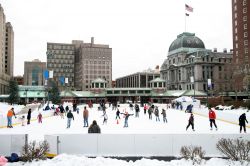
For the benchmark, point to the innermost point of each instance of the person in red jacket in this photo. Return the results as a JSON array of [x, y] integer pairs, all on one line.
[[212, 117]]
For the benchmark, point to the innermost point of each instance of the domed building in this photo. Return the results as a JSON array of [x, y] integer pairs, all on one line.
[[189, 66]]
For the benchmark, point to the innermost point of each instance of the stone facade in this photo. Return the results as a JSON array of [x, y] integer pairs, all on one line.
[[189, 58], [33, 73]]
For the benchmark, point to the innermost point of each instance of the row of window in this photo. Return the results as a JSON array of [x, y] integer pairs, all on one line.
[[96, 72], [97, 62], [61, 47], [96, 67], [60, 61], [62, 52]]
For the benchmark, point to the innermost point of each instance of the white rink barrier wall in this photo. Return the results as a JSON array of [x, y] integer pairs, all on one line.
[[135, 144], [12, 143]]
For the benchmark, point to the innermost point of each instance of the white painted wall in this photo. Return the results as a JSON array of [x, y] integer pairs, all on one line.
[[137, 144], [11, 144]]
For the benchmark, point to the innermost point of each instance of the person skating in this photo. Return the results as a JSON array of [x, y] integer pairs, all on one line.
[[157, 114], [242, 122], [10, 114], [40, 117], [94, 128], [70, 116], [145, 108], [105, 118], [212, 117], [61, 111], [85, 117], [137, 110], [150, 111], [164, 116], [191, 122], [117, 114], [29, 116], [126, 116]]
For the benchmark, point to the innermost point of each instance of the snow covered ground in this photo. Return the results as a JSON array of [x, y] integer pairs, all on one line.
[[177, 121]]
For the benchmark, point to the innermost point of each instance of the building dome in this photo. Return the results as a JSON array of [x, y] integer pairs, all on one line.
[[186, 40]]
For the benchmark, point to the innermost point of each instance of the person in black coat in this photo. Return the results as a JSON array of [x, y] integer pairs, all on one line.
[[242, 122], [94, 128], [29, 116], [70, 116], [191, 122]]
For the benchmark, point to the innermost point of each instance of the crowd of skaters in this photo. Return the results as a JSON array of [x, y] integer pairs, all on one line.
[[149, 108]]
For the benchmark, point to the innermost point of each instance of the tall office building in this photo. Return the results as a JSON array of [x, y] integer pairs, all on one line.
[[33, 73], [80, 62], [241, 45], [92, 61], [6, 52], [61, 60]]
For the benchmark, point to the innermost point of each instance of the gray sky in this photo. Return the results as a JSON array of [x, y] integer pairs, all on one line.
[[139, 31]]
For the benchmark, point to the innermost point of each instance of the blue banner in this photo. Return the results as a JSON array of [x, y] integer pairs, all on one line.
[[46, 74], [61, 79]]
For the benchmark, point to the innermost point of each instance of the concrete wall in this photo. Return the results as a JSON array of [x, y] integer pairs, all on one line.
[[12, 144], [135, 144]]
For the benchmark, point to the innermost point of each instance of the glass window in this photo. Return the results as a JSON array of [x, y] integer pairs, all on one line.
[[245, 34], [245, 26], [246, 50], [245, 42], [235, 7], [244, 18], [244, 2], [235, 15], [244, 10], [235, 22], [236, 30]]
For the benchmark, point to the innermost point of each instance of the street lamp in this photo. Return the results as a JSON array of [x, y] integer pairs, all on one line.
[[26, 91]]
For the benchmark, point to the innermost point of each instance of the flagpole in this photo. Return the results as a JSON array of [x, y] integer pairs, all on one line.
[[185, 22]]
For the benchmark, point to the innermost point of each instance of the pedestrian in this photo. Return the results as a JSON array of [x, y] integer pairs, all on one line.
[[145, 108], [212, 117], [117, 114], [150, 111], [131, 106], [29, 116], [10, 114], [157, 114], [61, 111], [70, 116], [242, 122], [39, 117], [77, 110], [85, 117], [164, 116], [137, 110], [126, 116], [105, 118], [94, 128], [191, 122]]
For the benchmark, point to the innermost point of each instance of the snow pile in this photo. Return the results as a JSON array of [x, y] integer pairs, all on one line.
[[76, 160]]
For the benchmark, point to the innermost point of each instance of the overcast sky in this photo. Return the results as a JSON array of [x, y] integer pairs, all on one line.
[[139, 31]]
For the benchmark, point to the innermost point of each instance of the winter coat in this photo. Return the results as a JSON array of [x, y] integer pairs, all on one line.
[[163, 113], [94, 128], [191, 119], [85, 113], [242, 120], [137, 109], [61, 109], [70, 115], [29, 114], [211, 114], [117, 112], [156, 112], [11, 113]]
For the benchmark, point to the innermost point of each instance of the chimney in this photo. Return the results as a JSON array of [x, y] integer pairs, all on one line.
[[225, 50], [215, 49], [92, 40]]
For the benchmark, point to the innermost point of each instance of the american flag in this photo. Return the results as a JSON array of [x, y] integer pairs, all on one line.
[[189, 8]]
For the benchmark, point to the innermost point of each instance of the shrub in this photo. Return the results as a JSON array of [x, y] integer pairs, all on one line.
[[194, 153], [236, 150], [32, 151]]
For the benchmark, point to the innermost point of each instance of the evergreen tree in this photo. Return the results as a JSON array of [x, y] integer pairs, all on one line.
[[54, 94], [13, 91]]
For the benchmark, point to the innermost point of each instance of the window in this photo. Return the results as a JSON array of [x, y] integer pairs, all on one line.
[[244, 18], [235, 8], [244, 10], [245, 42], [246, 50], [236, 30], [219, 68], [235, 22], [236, 37], [245, 34], [235, 15], [245, 26], [244, 2], [236, 45]]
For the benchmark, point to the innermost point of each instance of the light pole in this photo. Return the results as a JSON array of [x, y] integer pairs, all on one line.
[[192, 81], [209, 84], [26, 91]]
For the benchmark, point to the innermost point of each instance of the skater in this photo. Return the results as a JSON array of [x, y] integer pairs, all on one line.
[[61, 111], [212, 117], [191, 122], [105, 118], [85, 117], [22, 119], [131, 106], [29, 116], [10, 114], [67, 109], [242, 122], [39, 117], [137, 110], [126, 116], [70, 116], [150, 110], [145, 108], [77, 110], [94, 128], [164, 116], [157, 114], [117, 114]]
